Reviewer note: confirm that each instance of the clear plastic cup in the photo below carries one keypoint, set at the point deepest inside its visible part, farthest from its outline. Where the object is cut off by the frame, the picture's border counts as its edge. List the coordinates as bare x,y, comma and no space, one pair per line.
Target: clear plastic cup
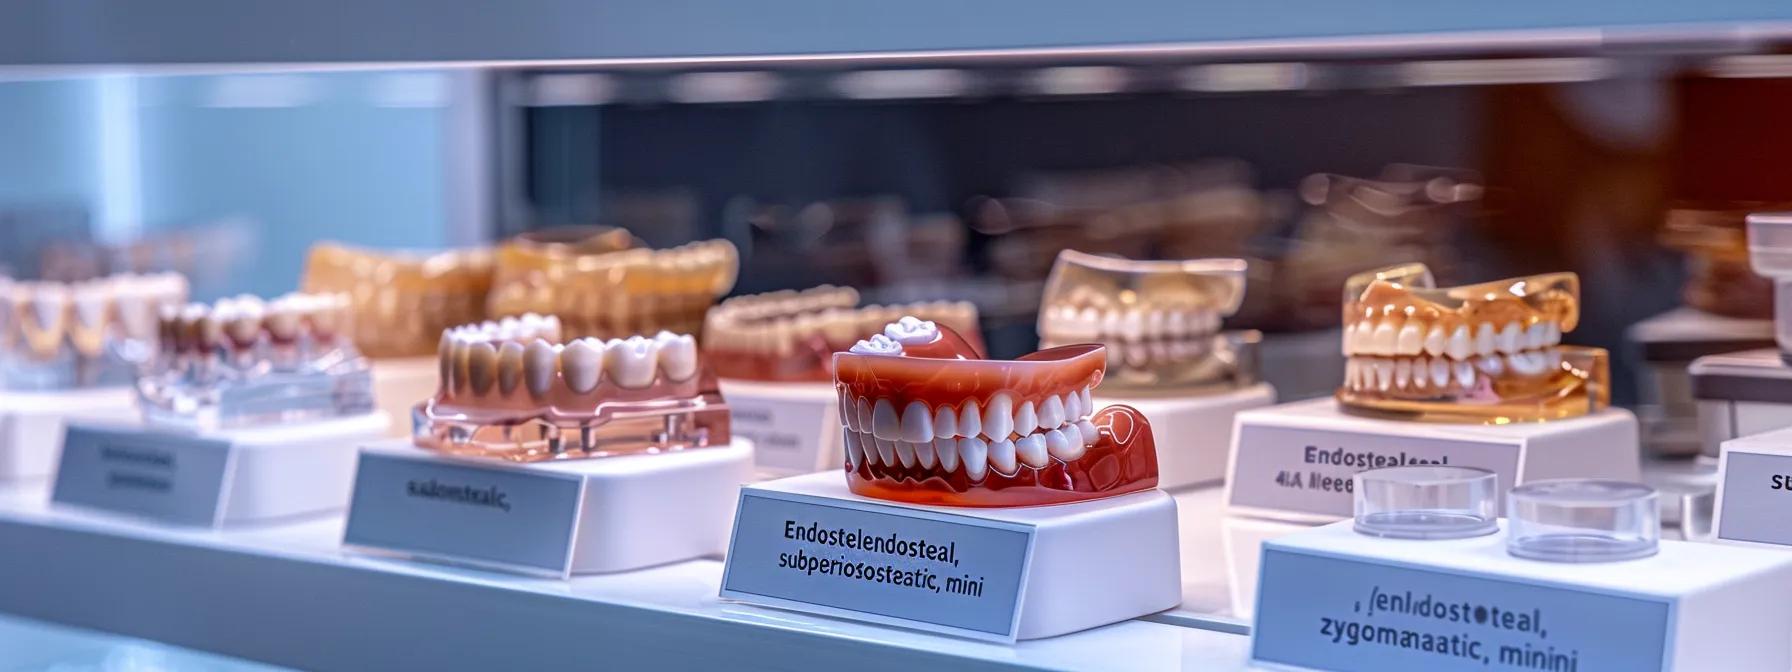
1432,502
1582,520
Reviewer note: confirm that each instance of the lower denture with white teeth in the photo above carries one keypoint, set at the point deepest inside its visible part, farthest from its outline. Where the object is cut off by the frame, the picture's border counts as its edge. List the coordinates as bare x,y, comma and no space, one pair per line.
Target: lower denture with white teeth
1485,352
928,420
42,322
512,390
791,336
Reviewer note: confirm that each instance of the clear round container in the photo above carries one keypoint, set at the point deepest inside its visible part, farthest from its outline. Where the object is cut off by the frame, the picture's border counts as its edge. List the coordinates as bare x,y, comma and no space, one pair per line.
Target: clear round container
1433,502
1582,520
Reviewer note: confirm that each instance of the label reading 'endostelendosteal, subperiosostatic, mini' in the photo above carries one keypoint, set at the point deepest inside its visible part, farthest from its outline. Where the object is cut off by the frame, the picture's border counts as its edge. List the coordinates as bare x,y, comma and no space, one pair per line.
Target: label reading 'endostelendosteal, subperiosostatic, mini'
1309,470
1357,615
941,572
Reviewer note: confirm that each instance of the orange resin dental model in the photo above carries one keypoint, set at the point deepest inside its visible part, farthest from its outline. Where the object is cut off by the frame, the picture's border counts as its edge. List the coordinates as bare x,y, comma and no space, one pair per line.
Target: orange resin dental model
1489,352
791,336
928,420
401,301
600,291
511,390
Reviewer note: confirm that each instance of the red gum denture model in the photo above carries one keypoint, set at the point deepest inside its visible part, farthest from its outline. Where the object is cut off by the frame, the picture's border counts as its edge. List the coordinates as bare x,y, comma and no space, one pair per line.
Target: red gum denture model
929,421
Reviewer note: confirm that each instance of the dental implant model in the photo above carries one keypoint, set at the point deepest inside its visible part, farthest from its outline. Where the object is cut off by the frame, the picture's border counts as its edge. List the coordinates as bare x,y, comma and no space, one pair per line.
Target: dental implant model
244,362
513,390
85,334
791,336
401,301
600,291
1489,352
928,420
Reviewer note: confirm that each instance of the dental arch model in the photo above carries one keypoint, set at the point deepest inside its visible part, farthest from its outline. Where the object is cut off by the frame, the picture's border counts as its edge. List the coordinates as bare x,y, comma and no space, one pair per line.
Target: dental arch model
1487,352
1159,319
402,300
601,292
511,390
928,420
57,335
792,336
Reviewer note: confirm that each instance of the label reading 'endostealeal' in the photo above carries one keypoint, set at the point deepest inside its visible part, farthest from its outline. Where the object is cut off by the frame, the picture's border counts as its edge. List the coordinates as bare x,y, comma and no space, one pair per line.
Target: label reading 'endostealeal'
177,478
956,574
1309,470
1356,615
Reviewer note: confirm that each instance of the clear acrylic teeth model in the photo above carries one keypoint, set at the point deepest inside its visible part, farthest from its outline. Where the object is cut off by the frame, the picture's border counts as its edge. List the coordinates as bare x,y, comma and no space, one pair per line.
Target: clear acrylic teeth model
512,390
1160,320
244,362
792,336
928,420
1427,502
67,335
1489,352
1582,520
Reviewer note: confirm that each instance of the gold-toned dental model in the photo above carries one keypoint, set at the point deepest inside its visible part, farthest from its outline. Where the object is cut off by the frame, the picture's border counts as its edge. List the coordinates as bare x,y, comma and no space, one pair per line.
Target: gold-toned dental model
791,336
1488,352
55,335
1715,240
600,292
402,302
1159,319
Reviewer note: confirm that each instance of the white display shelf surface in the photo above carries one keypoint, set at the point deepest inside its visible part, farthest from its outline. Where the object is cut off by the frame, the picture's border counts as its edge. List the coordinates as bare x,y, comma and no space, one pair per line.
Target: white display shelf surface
288,595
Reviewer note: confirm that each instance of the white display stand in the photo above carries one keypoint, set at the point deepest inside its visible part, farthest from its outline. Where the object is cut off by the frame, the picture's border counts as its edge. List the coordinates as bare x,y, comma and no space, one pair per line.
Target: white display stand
400,384
31,425
795,427
546,518
1243,538
1469,605
1193,433
1295,461
1754,488
213,479
1037,571
1739,394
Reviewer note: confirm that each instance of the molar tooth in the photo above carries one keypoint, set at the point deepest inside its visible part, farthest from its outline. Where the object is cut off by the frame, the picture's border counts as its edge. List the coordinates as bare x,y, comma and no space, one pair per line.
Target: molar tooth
1001,457
1073,438
1051,412
945,422
538,367
582,362
884,422
631,363
1484,339
1089,432
1026,418
970,419
1060,446
1402,373
1459,347
974,453
924,454
1385,337
510,366
998,416
1491,365
1508,340
1465,374
678,355
482,365
1384,374
1411,340
1435,340
911,330
946,449
1032,451
917,422
886,451
1440,372
905,452
862,409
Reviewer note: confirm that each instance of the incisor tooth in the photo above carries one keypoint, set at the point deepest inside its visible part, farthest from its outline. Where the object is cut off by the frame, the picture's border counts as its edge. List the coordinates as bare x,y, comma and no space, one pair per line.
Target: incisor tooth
1073,407
884,422
482,366
1484,339
970,419
1367,370
855,456
510,366
1051,412
1031,451
1384,374
1411,340
1001,457
582,363
974,453
998,417
917,422
1465,374
886,451
1460,346
538,367
1365,335
924,454
1385,337
945,422
862,410
947,452
1508,339
905,453
1402,372
1440,372
1421,375
1435,340
1026,418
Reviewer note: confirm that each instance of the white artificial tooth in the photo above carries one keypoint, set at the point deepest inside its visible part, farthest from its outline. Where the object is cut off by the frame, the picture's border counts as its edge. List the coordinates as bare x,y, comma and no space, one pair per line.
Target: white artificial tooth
631,363
970,418
1073,438
1051,412
1131,325
945,422
678,355
1460,346
1440,372
1073,407
1060,446
905,453
867,447
924,454
538,367
1385,337
1089,432
855,455
878,344
1026,418
1523,364
1365,336
1370,374
1508,340
1421,375
974,453
1532,337
843,404
510,366
947,452
1353,374
1402,373
582,363
917,422
998,416
1002,458
1384,374
1435,340
1465,374
911,330
1484,339
1411,340
1088,402
1349,340
886,451
482,366
90,303
444,351
885,424
1491,365
1031,450
863,413
1553,334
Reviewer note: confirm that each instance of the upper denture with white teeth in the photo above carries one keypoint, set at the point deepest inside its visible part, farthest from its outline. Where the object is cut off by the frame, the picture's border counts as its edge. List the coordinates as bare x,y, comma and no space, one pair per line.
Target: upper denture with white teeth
1410,346
792,336
40,319
243,331
614,294
927,419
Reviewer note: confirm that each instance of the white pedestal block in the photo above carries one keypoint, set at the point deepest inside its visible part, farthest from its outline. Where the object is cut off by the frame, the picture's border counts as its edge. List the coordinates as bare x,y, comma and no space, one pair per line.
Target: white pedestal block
401,384
1243,538
1333,599
1754,489
547,518
1193,433
31,425
1295,461
216,479
807,543
795,427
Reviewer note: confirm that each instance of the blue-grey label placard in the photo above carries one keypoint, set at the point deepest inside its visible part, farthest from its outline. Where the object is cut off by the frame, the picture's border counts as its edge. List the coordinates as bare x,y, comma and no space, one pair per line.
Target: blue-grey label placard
1309,470
1356,615
946,573
177,478
499,516
1757,493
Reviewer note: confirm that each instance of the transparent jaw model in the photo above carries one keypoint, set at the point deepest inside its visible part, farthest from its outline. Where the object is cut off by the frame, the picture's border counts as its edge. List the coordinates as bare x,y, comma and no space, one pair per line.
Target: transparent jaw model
402,301
1160,320
73,335
1770,254
1488,352
243,362
928,420
600,291
791,336
512,390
